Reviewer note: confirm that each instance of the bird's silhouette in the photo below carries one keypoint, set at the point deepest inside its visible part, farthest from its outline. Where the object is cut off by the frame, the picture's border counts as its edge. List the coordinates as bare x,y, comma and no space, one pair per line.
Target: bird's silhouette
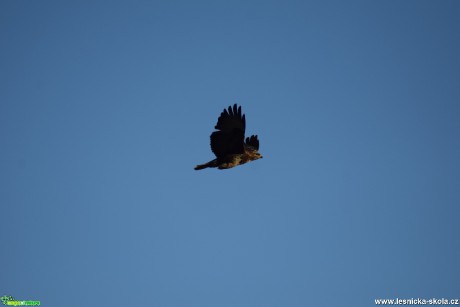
228,142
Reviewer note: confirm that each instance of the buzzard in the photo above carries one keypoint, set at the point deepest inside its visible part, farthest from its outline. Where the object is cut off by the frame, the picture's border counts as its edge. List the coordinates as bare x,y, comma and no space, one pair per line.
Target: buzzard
228,143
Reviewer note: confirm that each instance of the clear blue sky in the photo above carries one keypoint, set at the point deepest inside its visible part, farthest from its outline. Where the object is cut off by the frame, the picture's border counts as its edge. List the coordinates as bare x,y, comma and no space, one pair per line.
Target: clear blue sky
106,107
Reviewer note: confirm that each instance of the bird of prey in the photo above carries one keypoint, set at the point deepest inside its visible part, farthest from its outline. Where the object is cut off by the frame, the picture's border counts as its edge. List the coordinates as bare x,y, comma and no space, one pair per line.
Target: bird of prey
228,143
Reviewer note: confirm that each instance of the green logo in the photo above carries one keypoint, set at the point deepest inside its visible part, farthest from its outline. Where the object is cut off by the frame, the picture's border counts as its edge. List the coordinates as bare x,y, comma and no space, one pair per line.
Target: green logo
10,301
6,299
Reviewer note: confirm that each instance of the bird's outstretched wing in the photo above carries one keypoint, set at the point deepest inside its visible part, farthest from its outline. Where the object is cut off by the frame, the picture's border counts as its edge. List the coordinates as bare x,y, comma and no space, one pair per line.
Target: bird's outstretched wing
230,137
252,142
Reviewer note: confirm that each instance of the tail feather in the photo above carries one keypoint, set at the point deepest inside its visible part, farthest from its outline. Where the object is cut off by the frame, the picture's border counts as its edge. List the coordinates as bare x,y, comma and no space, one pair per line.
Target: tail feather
212,163
201,166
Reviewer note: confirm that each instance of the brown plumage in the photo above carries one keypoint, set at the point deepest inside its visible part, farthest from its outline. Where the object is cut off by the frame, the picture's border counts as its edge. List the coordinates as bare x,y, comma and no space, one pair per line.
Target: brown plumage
228,143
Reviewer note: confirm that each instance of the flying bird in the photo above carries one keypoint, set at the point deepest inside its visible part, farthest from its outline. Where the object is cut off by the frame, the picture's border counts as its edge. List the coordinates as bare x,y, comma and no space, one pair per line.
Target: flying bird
228,143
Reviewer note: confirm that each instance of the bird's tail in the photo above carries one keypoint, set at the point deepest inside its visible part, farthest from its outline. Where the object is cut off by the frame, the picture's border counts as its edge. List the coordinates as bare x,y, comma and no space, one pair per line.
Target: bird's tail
201,166
206,165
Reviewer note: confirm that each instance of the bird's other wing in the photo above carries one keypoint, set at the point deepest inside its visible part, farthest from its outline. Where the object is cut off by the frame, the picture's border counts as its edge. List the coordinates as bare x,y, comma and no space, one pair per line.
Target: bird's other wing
230,137
253,142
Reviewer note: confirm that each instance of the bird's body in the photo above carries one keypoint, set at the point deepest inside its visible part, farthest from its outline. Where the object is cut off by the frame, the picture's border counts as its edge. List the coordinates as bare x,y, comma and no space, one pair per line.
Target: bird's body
228,161
228,143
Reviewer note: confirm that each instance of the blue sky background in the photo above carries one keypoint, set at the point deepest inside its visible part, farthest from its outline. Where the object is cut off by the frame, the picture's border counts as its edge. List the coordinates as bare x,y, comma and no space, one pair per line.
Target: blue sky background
106,107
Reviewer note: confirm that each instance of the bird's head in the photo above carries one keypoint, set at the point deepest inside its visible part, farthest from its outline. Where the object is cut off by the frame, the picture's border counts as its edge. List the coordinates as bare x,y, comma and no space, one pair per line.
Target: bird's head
255,155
